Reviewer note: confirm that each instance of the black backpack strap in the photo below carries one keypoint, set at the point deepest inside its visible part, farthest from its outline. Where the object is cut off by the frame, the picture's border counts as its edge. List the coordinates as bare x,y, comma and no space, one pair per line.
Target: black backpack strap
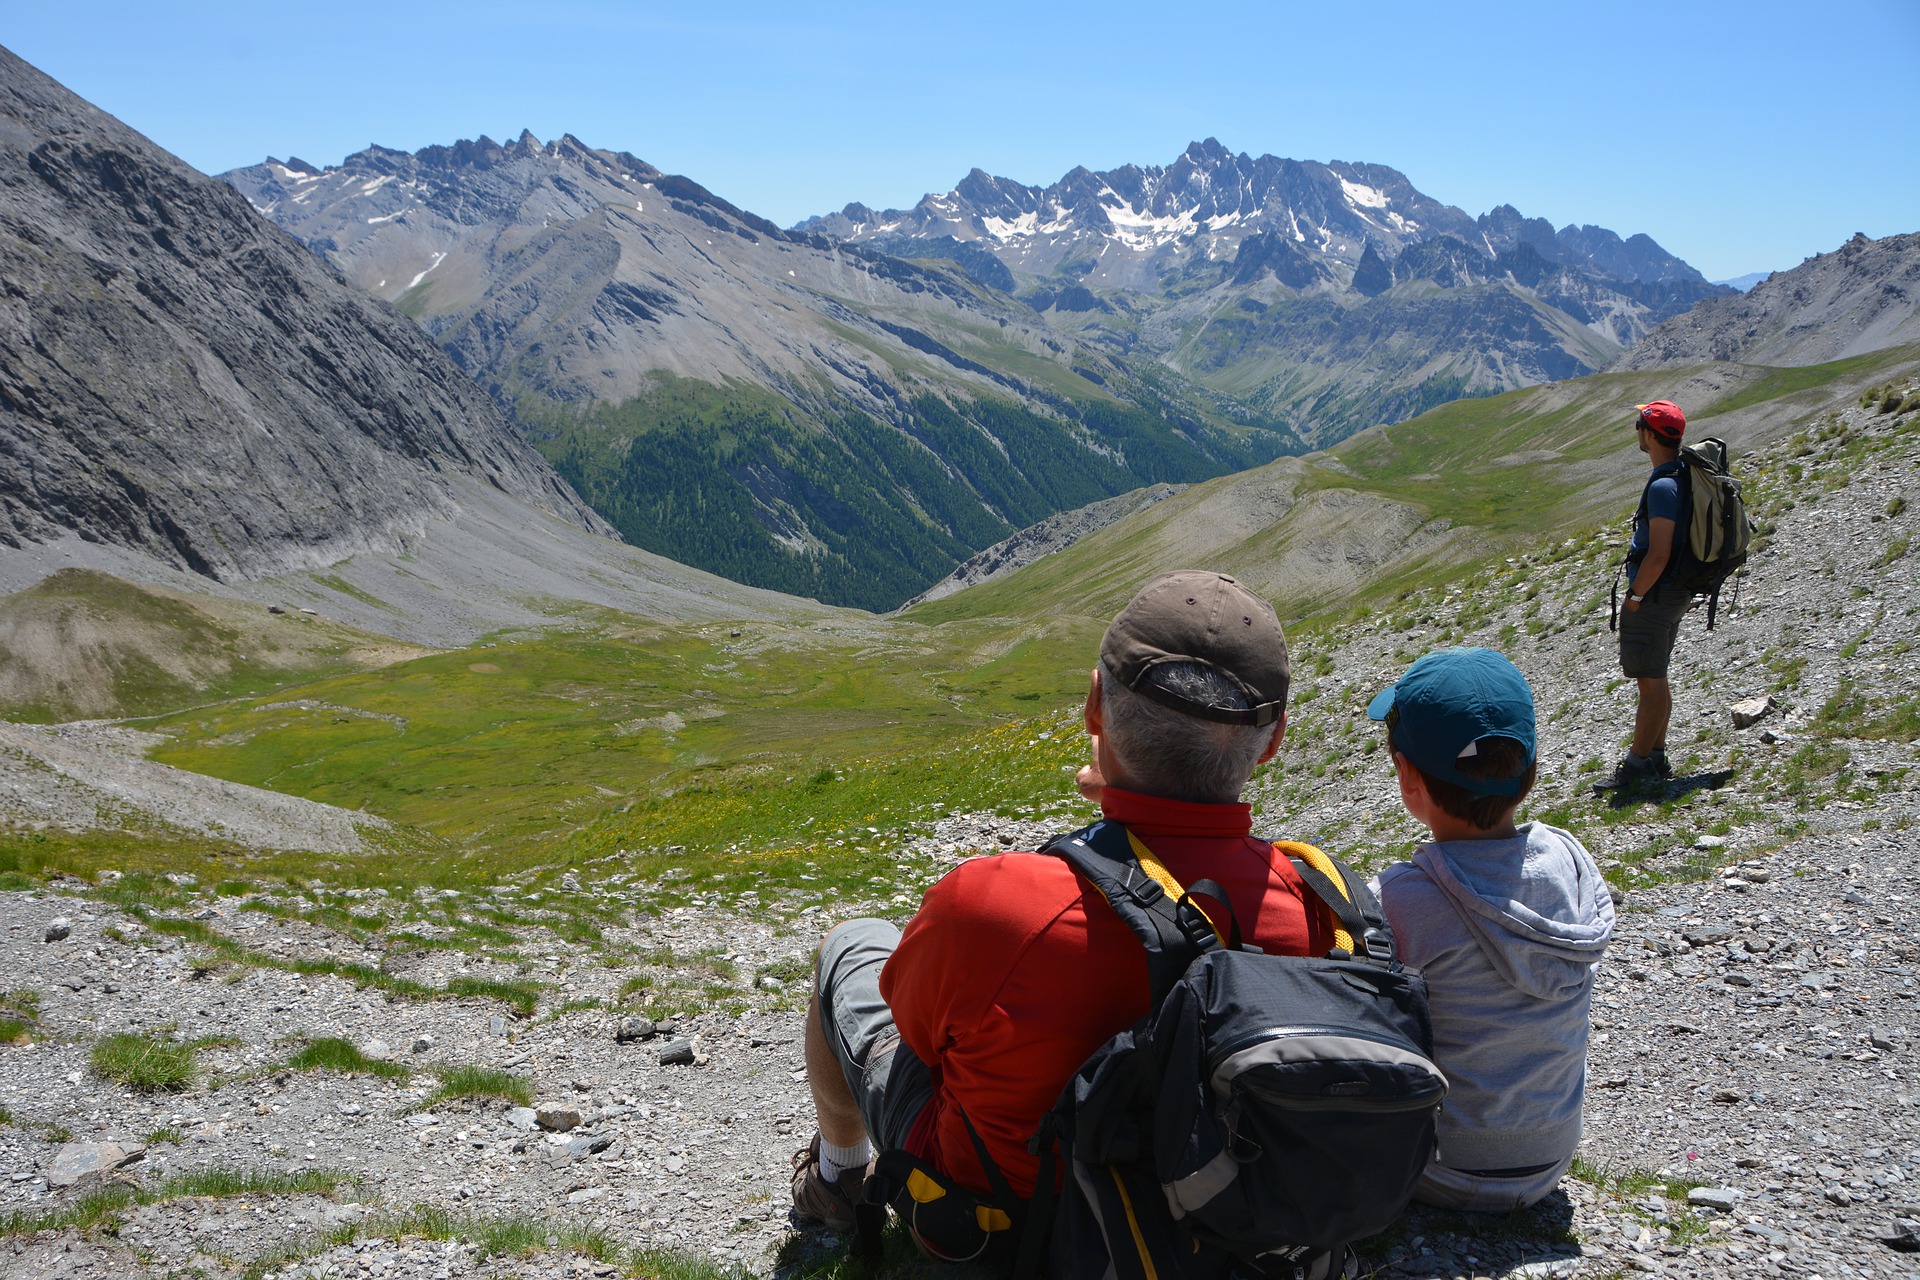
1002,1189
1357,910
1173,932
1038,1231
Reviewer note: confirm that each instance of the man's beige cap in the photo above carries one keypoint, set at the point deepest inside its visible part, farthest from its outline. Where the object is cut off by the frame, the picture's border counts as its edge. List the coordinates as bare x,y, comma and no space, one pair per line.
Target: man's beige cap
1194,616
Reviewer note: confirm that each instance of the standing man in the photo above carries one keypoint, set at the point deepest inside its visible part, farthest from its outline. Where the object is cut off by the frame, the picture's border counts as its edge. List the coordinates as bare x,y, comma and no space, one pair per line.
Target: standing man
951,1039
1654,605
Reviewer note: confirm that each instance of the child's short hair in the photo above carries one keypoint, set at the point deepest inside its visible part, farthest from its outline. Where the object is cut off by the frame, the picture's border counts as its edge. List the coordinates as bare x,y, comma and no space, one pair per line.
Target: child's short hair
1493,758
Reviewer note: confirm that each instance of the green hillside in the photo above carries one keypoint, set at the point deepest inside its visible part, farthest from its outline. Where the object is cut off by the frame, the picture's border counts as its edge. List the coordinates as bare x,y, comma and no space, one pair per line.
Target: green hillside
81,643
828,502
1396,506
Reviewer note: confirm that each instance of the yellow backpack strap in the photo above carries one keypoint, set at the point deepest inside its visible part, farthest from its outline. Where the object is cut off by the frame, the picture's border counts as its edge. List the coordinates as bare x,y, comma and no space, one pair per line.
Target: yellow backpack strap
1324,865
1154,868
1157,871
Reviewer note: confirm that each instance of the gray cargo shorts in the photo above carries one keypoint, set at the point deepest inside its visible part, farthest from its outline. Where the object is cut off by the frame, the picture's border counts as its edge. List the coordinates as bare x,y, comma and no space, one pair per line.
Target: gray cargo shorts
1647,633
889,1083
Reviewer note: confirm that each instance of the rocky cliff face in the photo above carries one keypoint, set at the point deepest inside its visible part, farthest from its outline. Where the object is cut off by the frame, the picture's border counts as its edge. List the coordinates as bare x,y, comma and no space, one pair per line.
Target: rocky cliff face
1864,296
179,376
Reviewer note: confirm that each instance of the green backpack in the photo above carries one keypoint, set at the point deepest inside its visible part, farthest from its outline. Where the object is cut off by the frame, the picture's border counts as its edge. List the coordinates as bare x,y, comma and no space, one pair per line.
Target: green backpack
1713,535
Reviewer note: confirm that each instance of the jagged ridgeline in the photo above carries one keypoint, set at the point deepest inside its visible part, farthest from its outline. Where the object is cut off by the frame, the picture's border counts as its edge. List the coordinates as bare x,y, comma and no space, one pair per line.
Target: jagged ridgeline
779,407
1326,296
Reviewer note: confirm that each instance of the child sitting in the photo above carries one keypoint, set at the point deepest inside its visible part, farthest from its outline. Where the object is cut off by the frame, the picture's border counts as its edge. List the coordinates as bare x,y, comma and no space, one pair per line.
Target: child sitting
1506,922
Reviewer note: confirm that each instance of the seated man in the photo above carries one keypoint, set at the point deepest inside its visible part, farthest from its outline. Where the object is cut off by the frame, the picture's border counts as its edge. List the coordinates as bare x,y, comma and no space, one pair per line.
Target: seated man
1014,970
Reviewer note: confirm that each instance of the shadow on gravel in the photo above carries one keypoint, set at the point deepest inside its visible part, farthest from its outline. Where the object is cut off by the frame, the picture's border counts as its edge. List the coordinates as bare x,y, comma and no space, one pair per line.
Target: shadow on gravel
813,1253
1440,1241
1423,1242
1668,790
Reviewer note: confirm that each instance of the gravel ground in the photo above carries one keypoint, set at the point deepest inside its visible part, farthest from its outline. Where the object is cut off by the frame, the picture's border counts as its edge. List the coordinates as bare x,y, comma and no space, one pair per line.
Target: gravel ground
1752,1110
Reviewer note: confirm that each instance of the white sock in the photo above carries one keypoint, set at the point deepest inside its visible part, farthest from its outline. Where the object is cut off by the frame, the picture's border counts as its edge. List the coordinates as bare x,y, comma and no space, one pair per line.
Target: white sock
836,1160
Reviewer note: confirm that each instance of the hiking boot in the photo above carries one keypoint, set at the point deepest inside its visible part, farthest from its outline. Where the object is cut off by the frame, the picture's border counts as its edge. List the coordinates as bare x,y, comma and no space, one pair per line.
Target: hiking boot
817,1200
1633,771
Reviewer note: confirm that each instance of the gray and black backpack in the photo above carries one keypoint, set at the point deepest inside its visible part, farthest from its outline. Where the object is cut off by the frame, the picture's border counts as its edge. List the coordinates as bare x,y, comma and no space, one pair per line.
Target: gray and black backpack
1268,1111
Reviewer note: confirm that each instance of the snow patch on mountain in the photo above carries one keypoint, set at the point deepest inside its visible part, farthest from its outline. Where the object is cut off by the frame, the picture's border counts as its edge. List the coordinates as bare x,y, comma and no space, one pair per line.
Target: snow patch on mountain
1361,194
438,258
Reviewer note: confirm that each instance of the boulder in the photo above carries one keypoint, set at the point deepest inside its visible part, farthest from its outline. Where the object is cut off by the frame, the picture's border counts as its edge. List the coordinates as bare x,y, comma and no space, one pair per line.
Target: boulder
80,1164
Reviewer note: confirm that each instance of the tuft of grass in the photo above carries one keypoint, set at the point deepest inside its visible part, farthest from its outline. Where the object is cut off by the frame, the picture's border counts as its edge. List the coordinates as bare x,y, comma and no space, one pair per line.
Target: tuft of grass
1631,1182
792,970
19,1015
224,1181
331,1053
1849,713
522,996
166,1134
482,1082
98,1207
149,1061
84,1214
521,1237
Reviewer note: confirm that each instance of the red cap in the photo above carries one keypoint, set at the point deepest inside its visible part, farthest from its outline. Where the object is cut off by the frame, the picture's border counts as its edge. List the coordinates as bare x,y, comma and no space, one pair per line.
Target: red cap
1663,418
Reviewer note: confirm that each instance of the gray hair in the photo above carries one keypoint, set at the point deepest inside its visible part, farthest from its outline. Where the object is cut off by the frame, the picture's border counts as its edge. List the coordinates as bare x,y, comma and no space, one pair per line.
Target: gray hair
1163,752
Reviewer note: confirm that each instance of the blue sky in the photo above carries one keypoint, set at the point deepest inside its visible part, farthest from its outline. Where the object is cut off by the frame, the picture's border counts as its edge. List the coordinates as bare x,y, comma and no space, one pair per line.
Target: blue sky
1742,137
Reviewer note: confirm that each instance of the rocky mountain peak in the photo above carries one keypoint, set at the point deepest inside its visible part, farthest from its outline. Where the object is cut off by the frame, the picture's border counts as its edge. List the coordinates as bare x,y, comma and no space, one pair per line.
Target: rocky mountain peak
184,379
1861,297
1207,152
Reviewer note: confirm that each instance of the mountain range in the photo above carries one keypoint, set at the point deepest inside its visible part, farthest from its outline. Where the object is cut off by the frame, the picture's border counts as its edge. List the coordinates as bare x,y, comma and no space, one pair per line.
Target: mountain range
1329,296
1864,296
189,398
776,406
849,407
179,378
187,391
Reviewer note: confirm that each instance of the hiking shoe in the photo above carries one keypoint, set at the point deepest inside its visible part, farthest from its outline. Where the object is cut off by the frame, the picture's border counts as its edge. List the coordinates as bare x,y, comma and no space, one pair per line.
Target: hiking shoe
817,1200
1633,770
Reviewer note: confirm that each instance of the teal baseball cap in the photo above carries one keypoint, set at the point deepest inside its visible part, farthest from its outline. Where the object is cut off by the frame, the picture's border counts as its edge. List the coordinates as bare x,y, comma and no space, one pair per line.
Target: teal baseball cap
1447,702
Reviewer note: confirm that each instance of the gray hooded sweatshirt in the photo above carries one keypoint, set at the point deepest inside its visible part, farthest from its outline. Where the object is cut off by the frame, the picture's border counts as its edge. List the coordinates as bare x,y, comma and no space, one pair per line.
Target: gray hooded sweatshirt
1507,933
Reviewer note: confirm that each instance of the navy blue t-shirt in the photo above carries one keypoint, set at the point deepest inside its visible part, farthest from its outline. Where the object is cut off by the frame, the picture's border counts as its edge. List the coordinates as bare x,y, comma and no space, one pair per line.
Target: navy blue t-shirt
1661,503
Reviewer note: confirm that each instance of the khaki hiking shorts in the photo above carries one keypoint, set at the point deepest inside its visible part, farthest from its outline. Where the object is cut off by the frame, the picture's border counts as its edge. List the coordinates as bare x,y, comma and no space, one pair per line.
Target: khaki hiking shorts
1647,633
890,1084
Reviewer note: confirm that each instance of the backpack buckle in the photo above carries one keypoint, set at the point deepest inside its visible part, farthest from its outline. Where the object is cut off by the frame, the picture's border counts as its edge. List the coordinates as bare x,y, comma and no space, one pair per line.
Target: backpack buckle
1194,925
1145,889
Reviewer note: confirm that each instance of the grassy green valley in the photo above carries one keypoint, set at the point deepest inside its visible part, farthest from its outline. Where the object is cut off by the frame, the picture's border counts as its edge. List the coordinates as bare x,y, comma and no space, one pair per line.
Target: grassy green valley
780,750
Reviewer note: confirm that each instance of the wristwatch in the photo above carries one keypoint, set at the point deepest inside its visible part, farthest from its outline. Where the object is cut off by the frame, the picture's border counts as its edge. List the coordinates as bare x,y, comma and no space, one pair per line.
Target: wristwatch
1635,598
